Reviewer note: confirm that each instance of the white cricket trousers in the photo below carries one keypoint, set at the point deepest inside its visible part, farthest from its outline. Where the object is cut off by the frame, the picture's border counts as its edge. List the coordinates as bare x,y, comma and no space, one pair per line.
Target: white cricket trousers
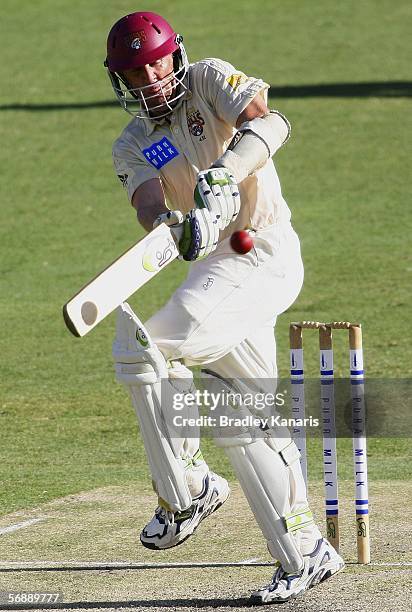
225,310
223,316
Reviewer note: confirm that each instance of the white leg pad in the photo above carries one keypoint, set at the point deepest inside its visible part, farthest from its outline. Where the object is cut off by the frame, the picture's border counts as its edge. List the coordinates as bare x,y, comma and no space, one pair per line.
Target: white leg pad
141,367
262,463
167,468
264,479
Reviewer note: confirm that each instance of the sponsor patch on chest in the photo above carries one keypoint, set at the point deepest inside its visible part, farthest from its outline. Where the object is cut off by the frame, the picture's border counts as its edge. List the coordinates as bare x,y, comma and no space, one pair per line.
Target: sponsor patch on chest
237,79
160,153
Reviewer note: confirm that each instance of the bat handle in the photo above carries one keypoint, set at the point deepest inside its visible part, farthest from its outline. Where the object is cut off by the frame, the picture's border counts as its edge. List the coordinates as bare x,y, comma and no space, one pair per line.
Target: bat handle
177,232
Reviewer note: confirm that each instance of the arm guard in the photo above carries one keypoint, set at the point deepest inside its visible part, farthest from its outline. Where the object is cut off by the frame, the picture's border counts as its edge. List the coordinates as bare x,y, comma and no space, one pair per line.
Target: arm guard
254,143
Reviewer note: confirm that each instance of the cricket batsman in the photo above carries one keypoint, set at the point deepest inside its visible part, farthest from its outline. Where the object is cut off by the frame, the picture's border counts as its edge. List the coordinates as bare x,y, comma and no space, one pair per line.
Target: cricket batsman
197,156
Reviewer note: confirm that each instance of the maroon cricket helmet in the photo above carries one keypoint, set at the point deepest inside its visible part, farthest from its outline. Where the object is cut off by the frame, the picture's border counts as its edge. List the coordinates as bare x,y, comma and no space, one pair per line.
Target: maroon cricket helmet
139,39
134,41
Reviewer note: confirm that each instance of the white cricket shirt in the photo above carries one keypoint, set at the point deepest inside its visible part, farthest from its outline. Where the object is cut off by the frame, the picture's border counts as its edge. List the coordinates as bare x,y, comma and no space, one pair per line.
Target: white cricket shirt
199,132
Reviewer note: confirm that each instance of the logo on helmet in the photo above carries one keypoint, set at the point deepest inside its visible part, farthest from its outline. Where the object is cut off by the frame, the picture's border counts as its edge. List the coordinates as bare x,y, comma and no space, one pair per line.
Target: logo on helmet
134,40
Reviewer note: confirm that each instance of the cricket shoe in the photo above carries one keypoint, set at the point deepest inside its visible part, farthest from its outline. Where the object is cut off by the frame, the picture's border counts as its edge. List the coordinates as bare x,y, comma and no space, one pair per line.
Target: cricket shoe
319,565
168,529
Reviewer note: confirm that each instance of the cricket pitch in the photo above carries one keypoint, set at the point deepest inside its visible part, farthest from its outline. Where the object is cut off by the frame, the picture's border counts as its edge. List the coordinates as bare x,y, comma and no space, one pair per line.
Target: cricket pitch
87,547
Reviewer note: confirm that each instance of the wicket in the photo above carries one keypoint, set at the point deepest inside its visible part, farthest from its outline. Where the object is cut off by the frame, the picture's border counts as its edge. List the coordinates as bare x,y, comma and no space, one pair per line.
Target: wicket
327,405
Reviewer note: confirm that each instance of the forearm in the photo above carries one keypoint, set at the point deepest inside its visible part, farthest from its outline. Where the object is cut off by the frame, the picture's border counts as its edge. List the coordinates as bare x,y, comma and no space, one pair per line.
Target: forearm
147,215
149,202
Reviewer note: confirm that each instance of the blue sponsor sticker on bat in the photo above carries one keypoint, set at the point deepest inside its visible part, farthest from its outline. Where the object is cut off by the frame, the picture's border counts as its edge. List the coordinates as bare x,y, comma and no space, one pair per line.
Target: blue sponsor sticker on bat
160,153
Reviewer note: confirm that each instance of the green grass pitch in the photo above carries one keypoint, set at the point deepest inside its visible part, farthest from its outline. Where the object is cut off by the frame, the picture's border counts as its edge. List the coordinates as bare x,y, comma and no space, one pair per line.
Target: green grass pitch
65,424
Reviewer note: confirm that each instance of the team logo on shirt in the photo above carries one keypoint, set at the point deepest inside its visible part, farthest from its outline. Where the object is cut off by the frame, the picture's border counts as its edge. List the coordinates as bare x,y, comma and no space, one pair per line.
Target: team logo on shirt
195,122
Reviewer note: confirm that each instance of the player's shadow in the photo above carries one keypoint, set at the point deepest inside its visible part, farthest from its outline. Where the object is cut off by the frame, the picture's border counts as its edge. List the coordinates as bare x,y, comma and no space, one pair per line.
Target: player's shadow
378,89
239,602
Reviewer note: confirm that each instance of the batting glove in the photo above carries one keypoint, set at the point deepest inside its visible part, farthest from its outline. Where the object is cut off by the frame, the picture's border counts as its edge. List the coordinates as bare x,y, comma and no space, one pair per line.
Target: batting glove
217,191
196,233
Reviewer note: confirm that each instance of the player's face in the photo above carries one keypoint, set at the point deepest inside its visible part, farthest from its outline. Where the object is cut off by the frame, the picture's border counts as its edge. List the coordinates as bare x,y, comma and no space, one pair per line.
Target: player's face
154,81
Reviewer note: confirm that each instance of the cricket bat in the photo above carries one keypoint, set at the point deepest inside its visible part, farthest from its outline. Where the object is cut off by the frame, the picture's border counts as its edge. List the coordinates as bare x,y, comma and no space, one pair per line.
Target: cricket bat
120,280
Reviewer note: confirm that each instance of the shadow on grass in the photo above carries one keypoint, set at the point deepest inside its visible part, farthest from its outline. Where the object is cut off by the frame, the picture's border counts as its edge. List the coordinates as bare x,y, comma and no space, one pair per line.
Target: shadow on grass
239,602
383,89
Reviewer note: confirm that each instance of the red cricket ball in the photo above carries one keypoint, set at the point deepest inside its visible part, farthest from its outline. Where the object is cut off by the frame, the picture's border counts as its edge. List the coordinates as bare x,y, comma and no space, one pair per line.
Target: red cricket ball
241,241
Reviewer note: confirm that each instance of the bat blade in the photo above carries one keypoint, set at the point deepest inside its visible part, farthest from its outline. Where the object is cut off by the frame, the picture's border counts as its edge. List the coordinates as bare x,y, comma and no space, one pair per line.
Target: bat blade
119,280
